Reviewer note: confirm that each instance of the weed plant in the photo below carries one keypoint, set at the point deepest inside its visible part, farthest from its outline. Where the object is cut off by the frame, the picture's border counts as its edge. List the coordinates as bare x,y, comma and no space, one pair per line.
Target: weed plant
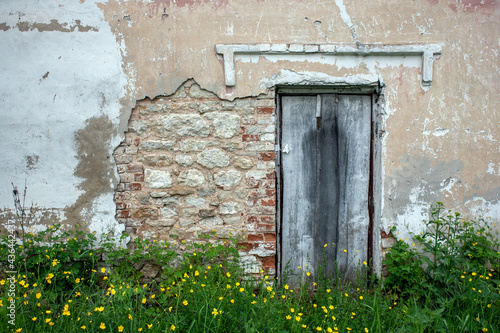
78,283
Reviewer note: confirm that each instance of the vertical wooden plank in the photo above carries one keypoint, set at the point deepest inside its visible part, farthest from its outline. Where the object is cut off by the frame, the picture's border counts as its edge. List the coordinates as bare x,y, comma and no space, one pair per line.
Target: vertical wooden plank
354,119
328,184
298,158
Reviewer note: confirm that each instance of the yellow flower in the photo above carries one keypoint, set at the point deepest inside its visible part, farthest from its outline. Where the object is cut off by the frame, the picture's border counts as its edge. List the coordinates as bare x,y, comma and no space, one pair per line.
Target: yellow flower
55,262
325,245
129,316
485,329
286,287
242,290
228,275
269,288
103,326
120,328
143,300
364,263
38,295
47,320
366,330
103,270
83,327
345,250
232,301
77,280
185,302
149,326
139,329
34,318
66,310
319,328
308,274
19,330
172,327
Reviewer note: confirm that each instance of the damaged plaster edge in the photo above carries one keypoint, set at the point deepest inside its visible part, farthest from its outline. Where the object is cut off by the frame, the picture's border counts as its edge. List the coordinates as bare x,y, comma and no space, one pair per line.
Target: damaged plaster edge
289,77
429,52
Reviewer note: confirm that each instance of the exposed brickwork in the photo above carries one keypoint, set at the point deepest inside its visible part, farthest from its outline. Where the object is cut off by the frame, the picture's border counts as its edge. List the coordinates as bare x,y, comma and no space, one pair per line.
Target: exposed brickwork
192,164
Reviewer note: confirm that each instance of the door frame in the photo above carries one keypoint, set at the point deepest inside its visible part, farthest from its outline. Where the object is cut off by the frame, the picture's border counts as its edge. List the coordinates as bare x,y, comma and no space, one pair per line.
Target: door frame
376,91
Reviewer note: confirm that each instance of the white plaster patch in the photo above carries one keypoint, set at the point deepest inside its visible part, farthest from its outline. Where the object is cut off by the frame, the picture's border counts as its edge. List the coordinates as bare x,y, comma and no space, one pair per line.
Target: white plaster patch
47,95
493,169
315,78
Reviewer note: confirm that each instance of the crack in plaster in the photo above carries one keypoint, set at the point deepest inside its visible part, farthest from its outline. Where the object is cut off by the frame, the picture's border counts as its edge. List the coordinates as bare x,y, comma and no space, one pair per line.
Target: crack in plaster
347,20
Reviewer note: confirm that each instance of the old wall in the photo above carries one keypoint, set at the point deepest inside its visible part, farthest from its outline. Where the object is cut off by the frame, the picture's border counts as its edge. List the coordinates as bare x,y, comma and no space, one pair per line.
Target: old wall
73,73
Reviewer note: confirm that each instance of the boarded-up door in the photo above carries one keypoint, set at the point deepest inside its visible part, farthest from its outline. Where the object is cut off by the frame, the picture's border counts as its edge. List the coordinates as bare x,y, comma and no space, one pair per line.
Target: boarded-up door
325,178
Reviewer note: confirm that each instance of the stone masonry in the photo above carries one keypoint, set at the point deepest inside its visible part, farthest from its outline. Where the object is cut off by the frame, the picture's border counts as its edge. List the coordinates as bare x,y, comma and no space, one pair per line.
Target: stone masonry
192,164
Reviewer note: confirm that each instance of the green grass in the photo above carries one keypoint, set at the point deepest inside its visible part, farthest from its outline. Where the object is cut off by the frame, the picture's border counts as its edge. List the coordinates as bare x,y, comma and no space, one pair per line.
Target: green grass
68,288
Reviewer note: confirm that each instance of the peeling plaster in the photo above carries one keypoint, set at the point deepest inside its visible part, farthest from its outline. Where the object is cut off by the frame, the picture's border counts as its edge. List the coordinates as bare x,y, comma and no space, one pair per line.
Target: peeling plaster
60,70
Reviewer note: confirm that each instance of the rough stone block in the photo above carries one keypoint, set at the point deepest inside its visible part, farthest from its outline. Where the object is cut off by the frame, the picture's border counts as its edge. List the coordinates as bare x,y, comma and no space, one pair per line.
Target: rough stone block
184,160
157,145
232,220
195,201
226,125
212,158
157,179
227,179
156,160
183,125
243,162
205,192
211,221
167,212
229,208
191,178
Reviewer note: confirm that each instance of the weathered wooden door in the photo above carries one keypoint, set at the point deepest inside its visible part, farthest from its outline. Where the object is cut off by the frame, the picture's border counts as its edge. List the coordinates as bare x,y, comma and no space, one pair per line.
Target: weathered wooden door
325,178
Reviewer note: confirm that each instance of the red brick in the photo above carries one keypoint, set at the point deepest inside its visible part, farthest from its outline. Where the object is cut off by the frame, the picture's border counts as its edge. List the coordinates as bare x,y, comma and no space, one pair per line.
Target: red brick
122,196
271,175
133,187
248,120
270,237
134,168
250,137
253,183
122,214
269,262
268,202
267,219
139,177
265,227
123,205
265,110
255,238
246,246
267,184
253,219
123,159
271,156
